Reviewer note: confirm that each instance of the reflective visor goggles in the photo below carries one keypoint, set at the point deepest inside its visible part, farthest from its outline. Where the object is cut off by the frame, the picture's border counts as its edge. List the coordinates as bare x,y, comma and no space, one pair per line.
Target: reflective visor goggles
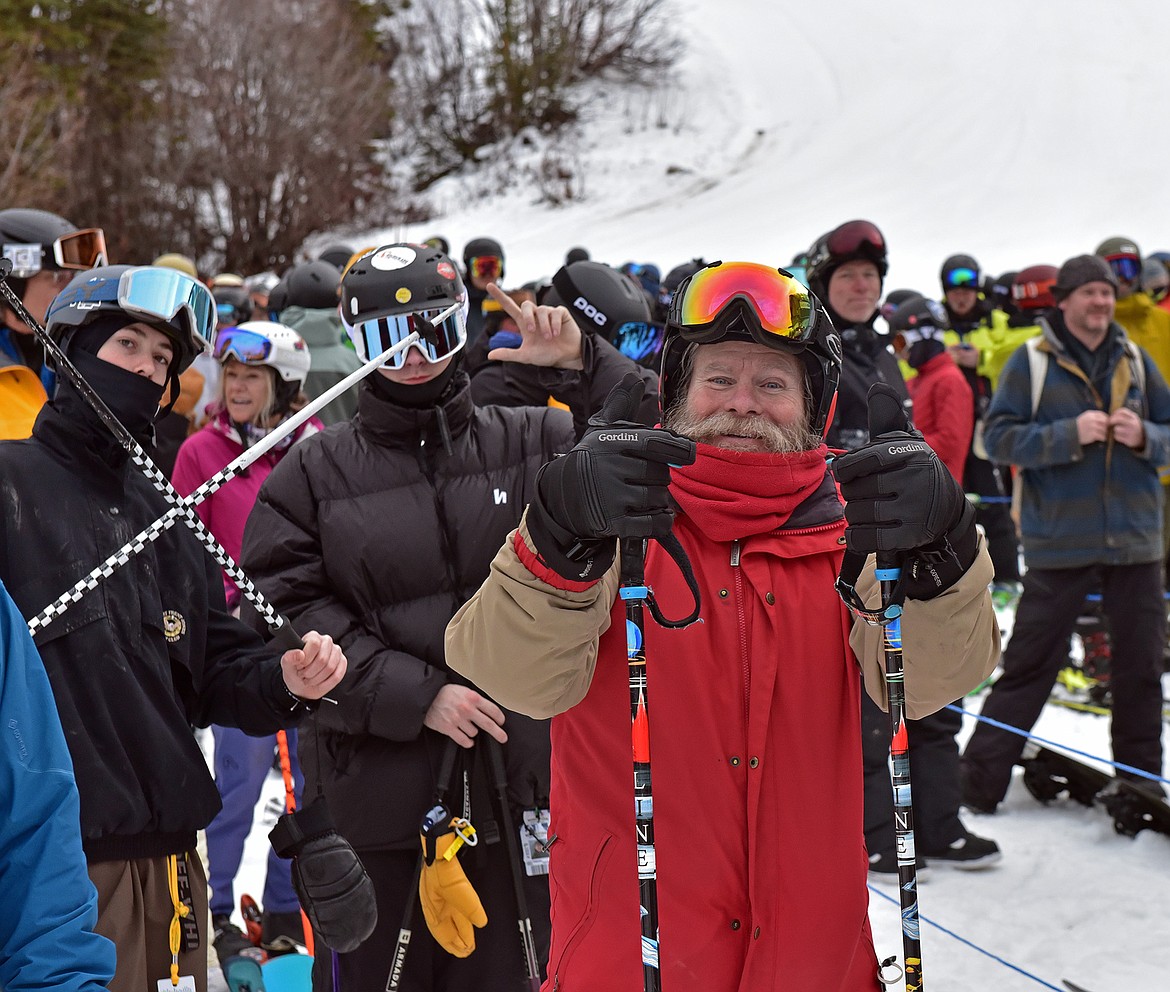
848,238
77,251
485,266
161,294
638,339
242,345
961,278
781,305
1127,268
381,333
1024,291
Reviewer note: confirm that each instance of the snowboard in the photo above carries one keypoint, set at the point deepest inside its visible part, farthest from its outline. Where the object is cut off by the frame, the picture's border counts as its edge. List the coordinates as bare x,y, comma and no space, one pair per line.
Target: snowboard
1049,774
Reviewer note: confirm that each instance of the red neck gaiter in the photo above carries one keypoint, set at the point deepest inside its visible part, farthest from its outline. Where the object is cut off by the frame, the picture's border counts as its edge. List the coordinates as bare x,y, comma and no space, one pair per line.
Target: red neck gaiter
736,494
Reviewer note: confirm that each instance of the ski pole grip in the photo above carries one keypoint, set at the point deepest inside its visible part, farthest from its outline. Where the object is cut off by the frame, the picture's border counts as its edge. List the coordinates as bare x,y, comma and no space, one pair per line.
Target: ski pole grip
284,638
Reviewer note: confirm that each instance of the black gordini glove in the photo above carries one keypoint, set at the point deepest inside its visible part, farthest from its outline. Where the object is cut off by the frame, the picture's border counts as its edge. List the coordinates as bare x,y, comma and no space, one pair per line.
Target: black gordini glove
612,484
902,504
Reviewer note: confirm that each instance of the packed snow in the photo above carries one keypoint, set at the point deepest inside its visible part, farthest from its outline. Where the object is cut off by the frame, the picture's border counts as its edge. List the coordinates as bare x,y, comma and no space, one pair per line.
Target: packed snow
1019,131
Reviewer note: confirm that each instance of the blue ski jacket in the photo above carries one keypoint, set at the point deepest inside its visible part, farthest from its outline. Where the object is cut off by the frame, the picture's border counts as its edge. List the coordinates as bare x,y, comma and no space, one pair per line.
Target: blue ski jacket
49,906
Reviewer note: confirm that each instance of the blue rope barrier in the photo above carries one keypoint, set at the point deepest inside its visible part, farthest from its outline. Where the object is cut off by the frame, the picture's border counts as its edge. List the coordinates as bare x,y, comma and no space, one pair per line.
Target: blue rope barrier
1060,747
973,945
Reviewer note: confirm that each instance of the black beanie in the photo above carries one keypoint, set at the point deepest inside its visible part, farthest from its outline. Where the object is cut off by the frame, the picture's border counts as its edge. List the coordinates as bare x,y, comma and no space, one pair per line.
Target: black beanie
1079,271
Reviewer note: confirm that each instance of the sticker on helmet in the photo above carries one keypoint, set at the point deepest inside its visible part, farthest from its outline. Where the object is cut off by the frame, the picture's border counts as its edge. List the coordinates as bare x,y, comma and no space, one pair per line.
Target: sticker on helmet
402,295
446,270
393,257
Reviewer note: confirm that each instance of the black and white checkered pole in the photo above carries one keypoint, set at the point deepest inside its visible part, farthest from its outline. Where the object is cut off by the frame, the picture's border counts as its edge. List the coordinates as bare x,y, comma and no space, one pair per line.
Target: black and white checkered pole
183,505
284,636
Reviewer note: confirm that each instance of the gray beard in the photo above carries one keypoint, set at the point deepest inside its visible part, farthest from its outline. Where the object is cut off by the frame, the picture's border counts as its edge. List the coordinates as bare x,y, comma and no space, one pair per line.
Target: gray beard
780,440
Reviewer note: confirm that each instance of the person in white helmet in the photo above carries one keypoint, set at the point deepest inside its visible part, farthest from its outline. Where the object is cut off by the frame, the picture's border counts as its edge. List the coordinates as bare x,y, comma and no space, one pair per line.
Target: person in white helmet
264,369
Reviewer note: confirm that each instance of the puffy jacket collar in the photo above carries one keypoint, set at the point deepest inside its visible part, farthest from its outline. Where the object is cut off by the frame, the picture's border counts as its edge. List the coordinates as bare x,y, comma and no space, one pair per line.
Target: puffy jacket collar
395,426
856,336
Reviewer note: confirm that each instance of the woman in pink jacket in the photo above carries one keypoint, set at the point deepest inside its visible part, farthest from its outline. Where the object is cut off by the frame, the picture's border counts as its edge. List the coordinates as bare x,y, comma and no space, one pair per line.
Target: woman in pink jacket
264,370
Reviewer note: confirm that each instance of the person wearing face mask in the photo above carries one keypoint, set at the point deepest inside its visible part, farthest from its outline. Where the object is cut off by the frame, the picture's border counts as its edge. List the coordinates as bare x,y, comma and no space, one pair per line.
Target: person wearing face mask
845,270
265,365
151,649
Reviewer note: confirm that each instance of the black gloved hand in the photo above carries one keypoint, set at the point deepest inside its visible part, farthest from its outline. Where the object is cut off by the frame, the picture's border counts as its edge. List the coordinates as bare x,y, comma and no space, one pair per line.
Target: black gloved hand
612,484
331,883
902,504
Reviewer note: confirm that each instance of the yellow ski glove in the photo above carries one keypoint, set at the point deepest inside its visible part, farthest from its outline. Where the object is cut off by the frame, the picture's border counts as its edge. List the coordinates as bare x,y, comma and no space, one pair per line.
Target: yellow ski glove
450,905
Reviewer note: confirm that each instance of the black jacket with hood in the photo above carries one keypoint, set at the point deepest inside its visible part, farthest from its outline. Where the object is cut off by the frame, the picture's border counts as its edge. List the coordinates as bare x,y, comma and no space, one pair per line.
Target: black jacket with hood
143,656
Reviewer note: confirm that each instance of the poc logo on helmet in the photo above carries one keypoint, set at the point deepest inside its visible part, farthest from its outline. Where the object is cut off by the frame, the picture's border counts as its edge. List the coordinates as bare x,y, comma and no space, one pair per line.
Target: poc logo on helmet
591,311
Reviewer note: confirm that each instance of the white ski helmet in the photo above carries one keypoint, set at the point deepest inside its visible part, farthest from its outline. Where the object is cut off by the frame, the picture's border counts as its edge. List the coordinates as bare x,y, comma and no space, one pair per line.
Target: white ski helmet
265,342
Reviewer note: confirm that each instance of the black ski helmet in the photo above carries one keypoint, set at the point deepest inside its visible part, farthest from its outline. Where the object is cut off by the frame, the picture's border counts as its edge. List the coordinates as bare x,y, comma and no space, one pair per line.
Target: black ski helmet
853,241
95,293
336,256
923,316
37,239
598,296
233,305
483,247
820,352
403,279
311,285
960,272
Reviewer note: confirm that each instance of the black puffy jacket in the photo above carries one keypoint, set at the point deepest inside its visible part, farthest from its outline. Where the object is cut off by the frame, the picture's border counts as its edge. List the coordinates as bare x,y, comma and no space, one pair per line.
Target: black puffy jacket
136,661
376,531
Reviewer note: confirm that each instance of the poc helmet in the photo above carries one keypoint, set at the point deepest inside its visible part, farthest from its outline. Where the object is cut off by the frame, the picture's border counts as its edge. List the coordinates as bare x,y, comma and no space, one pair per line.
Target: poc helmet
168,300
387,288
267,343
36,239
600,298
745,301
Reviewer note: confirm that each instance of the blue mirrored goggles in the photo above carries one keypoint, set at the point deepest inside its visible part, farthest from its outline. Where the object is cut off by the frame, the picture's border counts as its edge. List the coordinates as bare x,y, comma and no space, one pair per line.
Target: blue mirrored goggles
381,333
638,339
1127,268
162,294
961,278
244,346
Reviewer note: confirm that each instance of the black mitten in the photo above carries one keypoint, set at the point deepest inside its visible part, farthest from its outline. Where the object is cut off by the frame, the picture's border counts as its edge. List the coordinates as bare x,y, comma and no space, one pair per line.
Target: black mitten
612,484
902,504
331,883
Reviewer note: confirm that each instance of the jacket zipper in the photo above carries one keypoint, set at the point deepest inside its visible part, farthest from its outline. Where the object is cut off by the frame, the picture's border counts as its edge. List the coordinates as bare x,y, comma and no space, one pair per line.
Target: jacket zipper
741,619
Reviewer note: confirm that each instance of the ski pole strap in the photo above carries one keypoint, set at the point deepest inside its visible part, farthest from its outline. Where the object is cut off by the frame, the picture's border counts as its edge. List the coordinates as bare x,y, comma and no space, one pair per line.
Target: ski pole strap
633,581
852,563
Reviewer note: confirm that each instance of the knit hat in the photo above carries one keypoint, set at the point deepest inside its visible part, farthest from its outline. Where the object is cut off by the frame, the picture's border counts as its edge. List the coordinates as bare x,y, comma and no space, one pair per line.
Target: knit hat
1078,271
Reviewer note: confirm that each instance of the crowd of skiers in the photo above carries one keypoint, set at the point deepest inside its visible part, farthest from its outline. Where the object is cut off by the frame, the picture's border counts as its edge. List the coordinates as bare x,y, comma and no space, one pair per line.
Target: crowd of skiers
445,533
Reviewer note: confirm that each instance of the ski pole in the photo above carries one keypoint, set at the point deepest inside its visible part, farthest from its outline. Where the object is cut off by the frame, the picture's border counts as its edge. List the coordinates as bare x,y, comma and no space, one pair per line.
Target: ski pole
524,918
290,806
634,592
887,575
406,931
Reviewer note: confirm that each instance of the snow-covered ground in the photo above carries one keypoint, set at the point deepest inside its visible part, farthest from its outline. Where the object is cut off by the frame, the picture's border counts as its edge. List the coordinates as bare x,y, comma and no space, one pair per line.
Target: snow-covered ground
1020,131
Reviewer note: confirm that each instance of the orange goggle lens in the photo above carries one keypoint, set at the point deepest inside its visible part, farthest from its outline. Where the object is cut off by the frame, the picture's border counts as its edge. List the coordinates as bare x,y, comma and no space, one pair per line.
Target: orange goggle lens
81,250
485,266
779,301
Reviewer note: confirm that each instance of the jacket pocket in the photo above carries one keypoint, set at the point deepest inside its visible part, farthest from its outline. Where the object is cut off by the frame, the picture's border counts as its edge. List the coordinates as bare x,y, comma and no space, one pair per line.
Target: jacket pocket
559,968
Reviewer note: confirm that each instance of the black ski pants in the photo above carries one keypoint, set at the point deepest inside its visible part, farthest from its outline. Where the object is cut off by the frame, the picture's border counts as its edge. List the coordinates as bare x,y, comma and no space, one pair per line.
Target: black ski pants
1052,598
983,477
934,770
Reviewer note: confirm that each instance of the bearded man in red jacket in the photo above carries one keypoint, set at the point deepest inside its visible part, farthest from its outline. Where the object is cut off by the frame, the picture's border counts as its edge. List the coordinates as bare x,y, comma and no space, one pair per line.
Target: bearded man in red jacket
753,710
